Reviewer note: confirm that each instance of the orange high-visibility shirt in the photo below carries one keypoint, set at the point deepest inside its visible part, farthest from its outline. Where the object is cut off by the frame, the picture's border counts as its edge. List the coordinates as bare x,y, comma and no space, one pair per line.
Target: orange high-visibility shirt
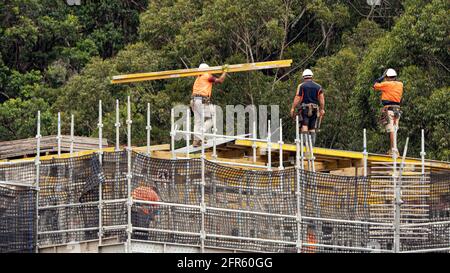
203,85
145,193
390,90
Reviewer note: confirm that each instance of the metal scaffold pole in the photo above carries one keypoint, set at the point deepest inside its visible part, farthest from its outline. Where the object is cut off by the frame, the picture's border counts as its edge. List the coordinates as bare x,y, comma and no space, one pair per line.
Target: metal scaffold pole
149,129
365,153
172,133
396,197
254,135
117,125
422,153
129,176
280,143
269,147
100,159
188,132
298,191
214,154
311,153
37,164
203,182
58,136
72,132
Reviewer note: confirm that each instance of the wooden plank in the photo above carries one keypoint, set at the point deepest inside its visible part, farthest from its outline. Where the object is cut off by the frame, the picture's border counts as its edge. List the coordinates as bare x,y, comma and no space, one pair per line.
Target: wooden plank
171,74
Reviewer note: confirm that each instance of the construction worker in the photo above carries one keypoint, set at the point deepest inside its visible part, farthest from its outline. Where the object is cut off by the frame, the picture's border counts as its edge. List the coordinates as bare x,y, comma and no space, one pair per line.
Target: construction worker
310,239
391,96
143,214
201,97
310,101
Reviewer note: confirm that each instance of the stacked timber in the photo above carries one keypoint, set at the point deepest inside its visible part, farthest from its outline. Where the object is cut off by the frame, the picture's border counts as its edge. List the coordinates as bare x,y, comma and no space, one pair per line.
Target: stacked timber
27,147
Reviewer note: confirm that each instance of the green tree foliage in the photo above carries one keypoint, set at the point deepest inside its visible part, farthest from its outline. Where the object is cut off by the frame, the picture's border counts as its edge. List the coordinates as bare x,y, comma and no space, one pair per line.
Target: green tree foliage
60,58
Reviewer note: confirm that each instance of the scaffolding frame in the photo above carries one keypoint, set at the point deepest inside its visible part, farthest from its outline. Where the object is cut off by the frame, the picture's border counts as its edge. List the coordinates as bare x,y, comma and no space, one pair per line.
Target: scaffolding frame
203,208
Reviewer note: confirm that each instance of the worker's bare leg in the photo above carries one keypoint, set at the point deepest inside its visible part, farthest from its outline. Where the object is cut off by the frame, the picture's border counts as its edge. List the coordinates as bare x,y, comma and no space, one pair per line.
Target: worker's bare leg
304,131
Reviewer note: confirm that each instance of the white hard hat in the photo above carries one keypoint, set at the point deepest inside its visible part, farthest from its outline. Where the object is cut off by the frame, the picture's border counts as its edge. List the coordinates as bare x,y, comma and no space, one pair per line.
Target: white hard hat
203,65
307,73
391,73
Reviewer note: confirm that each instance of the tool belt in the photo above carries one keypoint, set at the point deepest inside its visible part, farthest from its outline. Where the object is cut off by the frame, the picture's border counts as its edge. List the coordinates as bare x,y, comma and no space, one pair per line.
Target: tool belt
384,117
205,100
309,108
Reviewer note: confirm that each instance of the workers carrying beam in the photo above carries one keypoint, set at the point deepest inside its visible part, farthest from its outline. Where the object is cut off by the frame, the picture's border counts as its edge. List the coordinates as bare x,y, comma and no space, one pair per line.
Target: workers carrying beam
201,97
309,105
391,96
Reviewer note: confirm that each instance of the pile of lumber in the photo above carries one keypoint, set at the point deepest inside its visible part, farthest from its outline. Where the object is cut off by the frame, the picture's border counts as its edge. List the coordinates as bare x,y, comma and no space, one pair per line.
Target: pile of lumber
49,144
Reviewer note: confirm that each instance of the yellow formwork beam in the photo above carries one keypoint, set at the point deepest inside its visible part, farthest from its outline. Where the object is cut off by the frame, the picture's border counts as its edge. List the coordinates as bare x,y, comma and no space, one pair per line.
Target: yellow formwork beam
341,154
171,74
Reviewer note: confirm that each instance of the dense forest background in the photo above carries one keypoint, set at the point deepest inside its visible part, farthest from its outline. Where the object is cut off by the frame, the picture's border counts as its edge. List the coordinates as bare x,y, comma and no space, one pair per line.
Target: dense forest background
55,57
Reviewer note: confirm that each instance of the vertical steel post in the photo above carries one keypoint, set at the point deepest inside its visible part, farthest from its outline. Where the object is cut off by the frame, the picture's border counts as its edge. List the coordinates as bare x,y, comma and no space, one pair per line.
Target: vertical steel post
203,182
117,125
269,146
254,135
311,153
72,132
58,137
129,176
280,143
37,164
396,197
214,154
149,129
100,159
365,153
298,192
188,132
422,153
172,133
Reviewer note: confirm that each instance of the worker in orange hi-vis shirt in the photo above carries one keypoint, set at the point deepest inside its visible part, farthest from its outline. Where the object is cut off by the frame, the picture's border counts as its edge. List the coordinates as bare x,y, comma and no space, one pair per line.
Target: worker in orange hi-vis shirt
310,239
391,97
201,97
143,214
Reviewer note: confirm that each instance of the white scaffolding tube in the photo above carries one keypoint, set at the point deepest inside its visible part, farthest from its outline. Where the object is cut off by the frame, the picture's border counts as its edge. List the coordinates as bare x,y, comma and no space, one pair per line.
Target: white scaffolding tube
280,143
254,136
422,153
129,175
203,182
172,133
365,153
58,136
269,147
214,131
396,192
100,159
188,135
311,153
37,163
149,129
72,138
298,191
117,125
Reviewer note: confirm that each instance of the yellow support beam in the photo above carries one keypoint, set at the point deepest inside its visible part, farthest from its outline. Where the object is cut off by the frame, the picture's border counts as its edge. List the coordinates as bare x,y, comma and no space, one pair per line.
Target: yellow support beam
341,154
171,74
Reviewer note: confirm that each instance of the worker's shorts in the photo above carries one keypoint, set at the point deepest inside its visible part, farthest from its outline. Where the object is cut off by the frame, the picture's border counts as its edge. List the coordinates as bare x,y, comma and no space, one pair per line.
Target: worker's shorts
309,121
392,121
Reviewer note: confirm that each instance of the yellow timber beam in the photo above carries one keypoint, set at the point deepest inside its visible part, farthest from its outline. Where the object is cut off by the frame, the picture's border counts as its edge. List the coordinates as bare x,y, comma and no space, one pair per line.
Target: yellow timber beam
153,148
341,154
170,74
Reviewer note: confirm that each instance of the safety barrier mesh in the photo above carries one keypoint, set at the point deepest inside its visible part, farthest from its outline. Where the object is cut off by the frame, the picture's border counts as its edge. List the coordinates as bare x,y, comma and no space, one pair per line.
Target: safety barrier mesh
429,228
68,199
17,219
244,210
